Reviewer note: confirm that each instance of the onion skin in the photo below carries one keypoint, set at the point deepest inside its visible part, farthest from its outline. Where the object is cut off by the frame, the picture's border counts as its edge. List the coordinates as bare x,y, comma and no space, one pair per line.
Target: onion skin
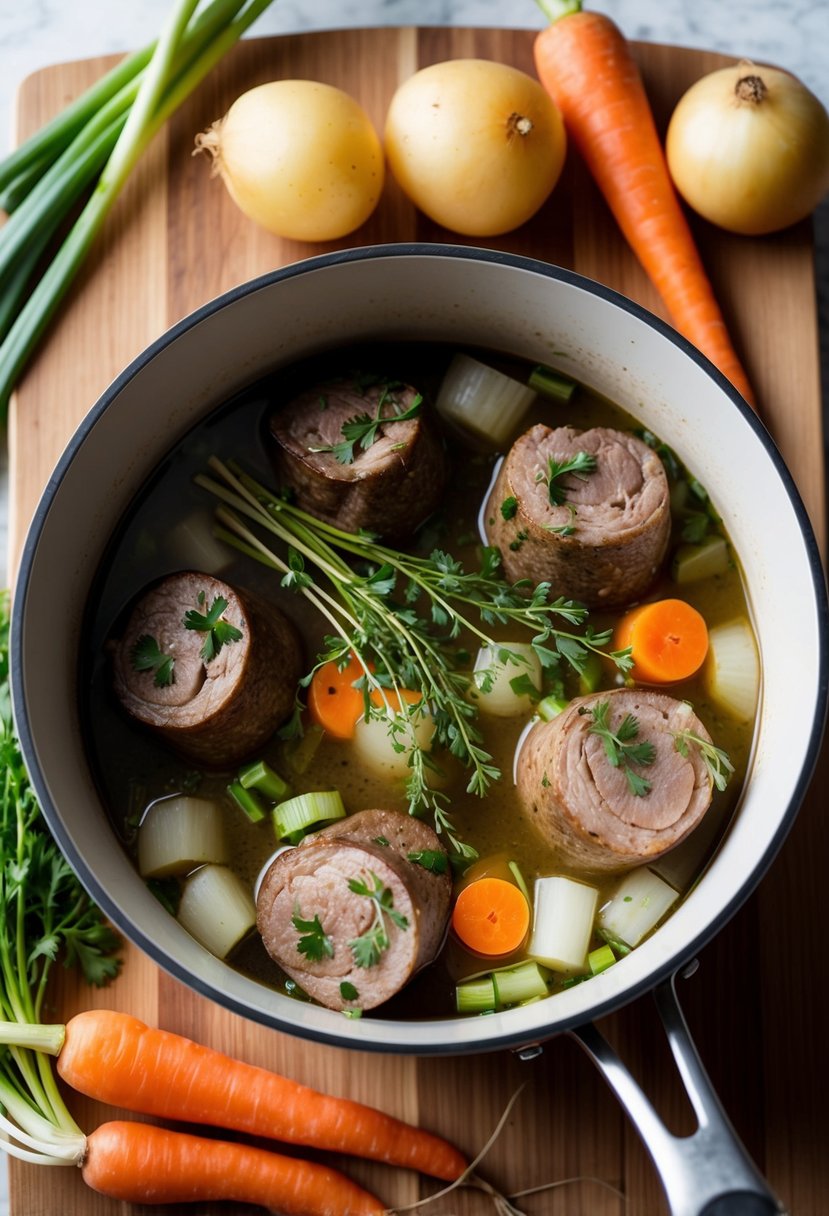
477,145
300,158
748,149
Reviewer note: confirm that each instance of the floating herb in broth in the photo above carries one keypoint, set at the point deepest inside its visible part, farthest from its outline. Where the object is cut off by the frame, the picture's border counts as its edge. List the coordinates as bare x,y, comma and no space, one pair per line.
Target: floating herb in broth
133,767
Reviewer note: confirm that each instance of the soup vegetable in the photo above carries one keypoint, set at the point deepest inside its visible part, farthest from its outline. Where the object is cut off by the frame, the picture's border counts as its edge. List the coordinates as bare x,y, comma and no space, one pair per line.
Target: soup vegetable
421,680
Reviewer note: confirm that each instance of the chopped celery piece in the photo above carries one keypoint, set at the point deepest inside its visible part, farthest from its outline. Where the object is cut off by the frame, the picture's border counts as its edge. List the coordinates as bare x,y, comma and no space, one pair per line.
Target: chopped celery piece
590,676
482,400
248,801
551,384
176,834
692,563
732,669
260,776
299,753
551,707
515,871
562,922
507,679
513,985
638,905
217,909
475,996
302,812
600,959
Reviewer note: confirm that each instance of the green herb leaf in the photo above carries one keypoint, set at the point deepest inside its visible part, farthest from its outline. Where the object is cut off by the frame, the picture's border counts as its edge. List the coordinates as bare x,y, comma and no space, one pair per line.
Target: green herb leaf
508,507
716,760
579,466
348,992
619,749
314,943
362,428
368,948
434,860
147,655
219,631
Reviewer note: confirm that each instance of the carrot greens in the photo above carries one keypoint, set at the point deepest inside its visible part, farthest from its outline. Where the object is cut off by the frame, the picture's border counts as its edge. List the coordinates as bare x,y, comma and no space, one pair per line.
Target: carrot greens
406,621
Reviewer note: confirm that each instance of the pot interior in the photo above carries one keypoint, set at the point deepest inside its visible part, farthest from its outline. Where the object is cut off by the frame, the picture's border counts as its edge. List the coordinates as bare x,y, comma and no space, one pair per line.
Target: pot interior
425,293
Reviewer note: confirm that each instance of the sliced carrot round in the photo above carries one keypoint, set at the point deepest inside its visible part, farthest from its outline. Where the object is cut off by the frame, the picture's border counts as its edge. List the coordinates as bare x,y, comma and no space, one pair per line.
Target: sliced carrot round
394,700
333,701
491,917
668,641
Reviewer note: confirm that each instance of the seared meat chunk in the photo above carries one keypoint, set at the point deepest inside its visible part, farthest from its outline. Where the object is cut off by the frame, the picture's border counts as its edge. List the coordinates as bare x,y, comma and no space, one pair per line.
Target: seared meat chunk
586,808
217,708
368,851
604,539
388,487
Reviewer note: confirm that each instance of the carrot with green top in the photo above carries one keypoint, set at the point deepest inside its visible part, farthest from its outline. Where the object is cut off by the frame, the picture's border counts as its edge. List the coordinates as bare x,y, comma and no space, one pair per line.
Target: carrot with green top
116,1058
585,64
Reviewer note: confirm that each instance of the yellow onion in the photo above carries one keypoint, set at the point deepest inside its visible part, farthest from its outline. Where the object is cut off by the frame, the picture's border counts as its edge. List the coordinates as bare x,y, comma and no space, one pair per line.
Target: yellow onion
476,145
300,158
748,149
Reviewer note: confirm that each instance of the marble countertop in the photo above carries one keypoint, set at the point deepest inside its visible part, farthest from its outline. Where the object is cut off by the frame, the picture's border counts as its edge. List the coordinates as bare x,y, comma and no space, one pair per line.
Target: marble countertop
792,35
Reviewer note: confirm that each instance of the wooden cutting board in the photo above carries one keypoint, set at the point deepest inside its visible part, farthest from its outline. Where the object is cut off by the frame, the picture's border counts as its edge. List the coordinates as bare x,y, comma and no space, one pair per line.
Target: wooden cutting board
758,1004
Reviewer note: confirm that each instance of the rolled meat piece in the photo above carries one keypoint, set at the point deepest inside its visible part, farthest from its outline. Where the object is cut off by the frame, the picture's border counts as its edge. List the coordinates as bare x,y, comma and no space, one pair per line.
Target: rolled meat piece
586,808
313,881
604,538
388,487
215,693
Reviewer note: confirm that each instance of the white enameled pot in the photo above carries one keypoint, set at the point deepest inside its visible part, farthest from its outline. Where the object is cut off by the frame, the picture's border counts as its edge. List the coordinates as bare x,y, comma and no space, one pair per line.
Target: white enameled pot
531,310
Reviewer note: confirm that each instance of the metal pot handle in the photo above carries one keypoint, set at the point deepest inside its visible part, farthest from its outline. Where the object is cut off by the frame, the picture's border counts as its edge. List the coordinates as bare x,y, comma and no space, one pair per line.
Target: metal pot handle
708,1173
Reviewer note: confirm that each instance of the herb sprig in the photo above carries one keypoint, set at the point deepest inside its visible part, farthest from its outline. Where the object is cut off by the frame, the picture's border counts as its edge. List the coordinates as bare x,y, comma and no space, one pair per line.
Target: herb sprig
368,948
579,466
715,759
147,655
362,428
404,616
621,752
218,632
314,943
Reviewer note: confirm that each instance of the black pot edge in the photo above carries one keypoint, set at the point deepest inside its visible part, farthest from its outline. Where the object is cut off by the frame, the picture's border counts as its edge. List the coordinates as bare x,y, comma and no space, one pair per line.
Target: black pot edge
503,1040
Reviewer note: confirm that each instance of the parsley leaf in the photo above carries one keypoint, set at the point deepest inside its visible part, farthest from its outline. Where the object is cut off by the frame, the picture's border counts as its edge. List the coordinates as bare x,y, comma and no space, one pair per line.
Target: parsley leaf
715,759
368,948
434,860
314,943
579,465
147,655
219,631
619,749
509,506
362,428
348,992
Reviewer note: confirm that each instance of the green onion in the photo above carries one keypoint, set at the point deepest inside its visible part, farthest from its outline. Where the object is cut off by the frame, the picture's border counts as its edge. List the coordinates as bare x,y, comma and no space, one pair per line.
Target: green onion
476,996
515,871
590,676
260,776
248,801
300,813
551,384
116,119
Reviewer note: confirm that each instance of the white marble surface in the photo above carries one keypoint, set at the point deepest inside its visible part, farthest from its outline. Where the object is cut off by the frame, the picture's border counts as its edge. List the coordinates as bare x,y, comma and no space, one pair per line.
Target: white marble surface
791,33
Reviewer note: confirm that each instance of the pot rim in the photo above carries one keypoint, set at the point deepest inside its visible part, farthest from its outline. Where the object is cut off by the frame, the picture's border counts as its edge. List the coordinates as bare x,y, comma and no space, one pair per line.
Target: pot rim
503,1037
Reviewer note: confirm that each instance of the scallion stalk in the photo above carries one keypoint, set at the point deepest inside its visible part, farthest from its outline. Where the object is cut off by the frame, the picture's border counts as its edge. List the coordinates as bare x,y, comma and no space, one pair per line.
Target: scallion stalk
551,384
247,801
134,107
298,814
260,776
476,996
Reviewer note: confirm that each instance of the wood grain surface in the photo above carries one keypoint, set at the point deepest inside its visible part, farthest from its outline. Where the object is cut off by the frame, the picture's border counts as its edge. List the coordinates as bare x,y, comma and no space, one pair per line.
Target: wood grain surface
758,1004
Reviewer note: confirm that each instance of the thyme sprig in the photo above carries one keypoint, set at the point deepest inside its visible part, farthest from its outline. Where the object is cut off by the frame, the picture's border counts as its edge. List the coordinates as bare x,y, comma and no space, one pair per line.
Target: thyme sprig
406,618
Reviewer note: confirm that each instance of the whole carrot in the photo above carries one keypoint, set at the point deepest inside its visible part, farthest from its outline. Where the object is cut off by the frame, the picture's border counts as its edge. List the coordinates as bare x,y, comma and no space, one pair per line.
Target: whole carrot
118,1059
139,1163
585,64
